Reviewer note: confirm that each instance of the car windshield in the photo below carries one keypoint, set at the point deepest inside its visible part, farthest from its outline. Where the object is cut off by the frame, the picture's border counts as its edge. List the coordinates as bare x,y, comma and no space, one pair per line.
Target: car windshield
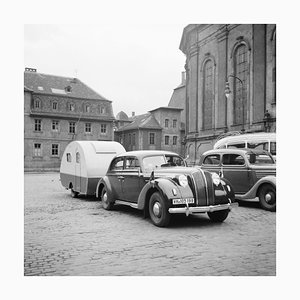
159,161
259,158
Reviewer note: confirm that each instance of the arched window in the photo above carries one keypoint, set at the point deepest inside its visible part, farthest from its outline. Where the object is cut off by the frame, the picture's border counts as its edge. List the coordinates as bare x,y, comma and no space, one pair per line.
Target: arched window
208,94
240,88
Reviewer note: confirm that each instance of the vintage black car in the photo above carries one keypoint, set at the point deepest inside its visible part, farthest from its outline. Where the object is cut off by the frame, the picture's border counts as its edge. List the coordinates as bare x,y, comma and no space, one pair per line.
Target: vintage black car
160,184
251,172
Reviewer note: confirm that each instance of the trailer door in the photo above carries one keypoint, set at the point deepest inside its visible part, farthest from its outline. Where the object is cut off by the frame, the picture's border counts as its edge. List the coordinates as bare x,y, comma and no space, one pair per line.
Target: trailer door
77,178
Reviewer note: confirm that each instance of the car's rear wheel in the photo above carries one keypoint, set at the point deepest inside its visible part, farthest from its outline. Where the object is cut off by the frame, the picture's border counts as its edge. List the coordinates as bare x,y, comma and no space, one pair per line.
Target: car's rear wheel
267,197
218,216
158,210
74,194
106,204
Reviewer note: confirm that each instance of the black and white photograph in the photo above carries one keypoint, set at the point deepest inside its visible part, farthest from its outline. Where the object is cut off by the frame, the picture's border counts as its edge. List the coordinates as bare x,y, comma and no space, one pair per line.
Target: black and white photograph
149,153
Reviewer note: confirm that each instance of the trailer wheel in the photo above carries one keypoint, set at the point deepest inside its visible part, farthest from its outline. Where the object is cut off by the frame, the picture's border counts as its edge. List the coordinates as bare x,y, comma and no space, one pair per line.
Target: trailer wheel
74,194
106,204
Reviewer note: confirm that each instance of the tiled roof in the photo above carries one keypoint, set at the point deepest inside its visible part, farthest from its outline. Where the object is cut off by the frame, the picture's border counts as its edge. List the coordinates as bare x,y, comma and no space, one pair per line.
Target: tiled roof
57,85
122,116
145,121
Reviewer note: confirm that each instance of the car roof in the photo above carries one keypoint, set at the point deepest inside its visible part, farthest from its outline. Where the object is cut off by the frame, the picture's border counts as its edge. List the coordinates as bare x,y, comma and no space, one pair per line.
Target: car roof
144,153
235,151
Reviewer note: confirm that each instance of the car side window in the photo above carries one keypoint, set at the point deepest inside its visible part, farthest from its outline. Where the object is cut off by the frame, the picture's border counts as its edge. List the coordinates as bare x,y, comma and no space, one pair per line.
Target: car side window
212,160
117,164
233,159
131,163
174,160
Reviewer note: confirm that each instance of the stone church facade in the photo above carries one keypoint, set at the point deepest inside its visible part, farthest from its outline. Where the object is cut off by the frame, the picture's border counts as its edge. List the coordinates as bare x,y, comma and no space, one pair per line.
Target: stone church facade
234,59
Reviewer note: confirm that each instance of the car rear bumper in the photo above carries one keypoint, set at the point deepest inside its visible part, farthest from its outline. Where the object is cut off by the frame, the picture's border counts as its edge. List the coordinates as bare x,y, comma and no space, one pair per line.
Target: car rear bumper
201,209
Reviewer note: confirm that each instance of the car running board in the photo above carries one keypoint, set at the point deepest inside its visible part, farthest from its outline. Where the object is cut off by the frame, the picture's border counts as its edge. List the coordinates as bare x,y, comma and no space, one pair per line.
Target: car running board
134,205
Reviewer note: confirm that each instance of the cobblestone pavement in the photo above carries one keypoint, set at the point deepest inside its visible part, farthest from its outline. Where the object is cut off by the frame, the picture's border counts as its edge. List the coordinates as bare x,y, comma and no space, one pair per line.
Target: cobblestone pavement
66,236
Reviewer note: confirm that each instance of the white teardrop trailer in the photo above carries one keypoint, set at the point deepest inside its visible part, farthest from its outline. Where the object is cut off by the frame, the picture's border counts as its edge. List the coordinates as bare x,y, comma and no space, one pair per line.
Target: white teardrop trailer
84,162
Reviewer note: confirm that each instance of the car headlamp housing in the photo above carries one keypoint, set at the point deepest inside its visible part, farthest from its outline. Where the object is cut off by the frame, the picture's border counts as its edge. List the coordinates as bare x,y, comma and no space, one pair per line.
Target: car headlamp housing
183,181
216,179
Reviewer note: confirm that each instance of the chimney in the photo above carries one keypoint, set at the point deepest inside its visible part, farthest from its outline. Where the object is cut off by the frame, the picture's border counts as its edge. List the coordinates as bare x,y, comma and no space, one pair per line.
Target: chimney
30,70
133,114
182,78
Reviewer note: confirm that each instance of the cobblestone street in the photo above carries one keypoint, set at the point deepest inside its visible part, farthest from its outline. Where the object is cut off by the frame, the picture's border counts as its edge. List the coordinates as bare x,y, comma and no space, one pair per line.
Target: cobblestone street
66,236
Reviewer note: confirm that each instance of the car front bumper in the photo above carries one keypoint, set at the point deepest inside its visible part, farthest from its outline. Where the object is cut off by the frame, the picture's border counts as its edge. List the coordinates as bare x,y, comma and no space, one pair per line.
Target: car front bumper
201,209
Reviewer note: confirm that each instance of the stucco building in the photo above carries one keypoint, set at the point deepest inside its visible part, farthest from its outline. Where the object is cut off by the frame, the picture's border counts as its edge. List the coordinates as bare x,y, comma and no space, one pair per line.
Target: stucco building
239,59
159,129
58,110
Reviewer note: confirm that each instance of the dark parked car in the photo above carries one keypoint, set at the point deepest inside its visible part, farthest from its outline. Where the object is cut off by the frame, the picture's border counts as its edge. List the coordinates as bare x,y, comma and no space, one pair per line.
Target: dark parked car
160,184
252,173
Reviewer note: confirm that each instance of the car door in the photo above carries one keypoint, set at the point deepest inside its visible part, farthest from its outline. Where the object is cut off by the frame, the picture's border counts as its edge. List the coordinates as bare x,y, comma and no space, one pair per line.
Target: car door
212,163
132,182
115,176
235,169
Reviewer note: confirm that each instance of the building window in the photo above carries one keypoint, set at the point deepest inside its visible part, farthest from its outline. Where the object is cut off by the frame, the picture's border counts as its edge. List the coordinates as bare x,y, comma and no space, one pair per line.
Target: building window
208,94
167,138
166,123
72,127
37,103
103,129
37,149
174,123
133,139
54,105
54,151
151,138
174,140
102,110
54,125
240,89
37,125
87,108
71,107
88,128
129,138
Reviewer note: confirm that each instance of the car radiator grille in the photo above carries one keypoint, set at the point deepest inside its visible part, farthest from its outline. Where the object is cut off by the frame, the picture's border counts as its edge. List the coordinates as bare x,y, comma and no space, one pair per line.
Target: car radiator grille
200,184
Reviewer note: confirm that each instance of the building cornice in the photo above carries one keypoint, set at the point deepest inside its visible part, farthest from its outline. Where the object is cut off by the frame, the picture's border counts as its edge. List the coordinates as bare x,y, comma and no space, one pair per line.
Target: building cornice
69,117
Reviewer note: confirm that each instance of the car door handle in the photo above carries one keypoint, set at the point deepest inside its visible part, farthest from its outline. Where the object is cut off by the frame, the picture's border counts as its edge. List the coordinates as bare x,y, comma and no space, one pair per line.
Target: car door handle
121,177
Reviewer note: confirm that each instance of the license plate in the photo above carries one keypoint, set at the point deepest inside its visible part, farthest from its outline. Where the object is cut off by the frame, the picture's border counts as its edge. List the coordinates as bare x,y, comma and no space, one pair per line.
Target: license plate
183,201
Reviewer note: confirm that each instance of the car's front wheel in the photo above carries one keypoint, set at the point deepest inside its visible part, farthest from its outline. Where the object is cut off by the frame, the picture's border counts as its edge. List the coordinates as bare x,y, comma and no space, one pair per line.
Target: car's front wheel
106,204
267,197
158,210
218,216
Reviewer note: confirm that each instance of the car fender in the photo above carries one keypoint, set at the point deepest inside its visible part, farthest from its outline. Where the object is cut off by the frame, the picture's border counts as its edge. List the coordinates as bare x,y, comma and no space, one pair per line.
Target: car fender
104,180
252,193
164,186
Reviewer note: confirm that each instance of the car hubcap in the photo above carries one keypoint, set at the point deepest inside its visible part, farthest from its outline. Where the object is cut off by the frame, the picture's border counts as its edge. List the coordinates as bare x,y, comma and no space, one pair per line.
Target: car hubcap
268,197
104,198
157,209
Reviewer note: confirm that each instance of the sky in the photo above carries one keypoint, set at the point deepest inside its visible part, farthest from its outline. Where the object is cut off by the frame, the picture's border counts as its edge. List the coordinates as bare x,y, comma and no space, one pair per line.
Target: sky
135,66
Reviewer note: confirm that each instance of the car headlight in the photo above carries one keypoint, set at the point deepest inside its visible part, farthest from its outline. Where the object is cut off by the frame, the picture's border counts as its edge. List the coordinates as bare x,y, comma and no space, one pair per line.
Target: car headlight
183,181
216,178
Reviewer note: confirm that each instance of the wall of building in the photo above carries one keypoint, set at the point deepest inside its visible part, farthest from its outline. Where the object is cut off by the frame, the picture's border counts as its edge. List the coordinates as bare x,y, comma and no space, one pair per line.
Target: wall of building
217,43
47,136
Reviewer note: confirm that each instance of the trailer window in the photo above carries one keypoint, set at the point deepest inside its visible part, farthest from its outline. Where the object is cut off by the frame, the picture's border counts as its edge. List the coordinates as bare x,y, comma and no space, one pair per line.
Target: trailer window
77,157
69,157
